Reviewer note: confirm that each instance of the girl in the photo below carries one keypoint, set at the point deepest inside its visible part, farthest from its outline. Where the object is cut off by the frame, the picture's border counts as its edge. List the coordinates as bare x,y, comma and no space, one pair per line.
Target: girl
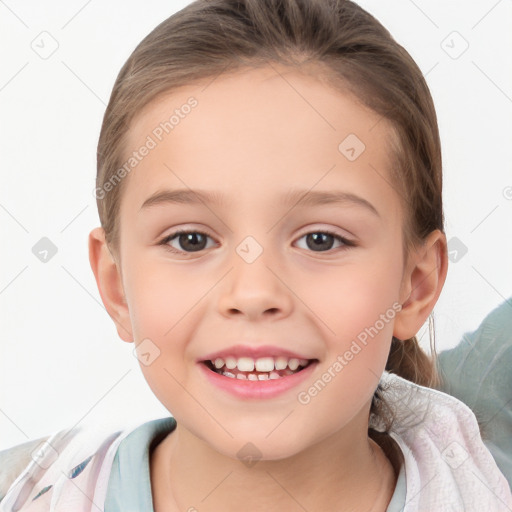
270,193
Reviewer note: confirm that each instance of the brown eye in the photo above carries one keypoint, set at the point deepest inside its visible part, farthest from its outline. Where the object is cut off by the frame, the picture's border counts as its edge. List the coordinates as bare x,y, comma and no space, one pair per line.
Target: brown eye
323,241
319,241
186,241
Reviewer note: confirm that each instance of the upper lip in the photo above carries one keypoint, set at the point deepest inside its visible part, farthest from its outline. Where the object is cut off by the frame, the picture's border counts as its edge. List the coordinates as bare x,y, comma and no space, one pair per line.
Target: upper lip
253,351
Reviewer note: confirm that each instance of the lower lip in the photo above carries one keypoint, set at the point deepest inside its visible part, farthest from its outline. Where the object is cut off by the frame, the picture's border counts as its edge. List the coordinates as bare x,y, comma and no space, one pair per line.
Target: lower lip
262,389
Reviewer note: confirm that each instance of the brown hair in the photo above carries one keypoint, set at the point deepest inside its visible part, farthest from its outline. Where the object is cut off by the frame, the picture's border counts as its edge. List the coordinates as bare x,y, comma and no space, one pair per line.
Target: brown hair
352,49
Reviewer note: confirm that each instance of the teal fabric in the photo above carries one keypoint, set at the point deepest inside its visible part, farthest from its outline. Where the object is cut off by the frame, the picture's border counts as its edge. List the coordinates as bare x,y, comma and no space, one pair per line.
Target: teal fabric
397,502
129,486
478,371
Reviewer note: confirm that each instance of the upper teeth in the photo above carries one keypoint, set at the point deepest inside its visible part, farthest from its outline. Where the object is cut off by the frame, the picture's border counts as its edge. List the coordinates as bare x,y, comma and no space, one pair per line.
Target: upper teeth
262,364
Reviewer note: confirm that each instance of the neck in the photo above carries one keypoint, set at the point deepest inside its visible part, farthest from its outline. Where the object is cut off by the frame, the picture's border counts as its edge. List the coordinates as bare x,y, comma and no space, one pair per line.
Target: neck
333,475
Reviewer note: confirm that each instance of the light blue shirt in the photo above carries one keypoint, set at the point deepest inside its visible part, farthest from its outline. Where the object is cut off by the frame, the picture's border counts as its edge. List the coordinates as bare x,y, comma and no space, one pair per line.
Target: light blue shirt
129,487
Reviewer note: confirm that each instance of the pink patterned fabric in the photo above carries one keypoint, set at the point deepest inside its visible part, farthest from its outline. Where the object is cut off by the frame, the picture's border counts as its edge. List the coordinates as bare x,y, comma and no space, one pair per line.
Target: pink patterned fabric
447,465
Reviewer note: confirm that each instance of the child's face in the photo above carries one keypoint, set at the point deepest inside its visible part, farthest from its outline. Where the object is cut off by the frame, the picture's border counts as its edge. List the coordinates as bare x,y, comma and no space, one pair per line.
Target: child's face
258,280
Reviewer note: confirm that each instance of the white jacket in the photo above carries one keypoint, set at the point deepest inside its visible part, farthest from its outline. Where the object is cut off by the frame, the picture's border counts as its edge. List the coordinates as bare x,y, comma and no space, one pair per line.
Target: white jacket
447,466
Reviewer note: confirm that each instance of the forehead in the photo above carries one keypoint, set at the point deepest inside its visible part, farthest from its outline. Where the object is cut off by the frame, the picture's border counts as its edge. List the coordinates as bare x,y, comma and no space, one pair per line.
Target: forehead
257,129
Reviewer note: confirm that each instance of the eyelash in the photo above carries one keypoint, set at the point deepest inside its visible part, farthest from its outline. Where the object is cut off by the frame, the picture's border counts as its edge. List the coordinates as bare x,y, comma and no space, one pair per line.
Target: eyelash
165,241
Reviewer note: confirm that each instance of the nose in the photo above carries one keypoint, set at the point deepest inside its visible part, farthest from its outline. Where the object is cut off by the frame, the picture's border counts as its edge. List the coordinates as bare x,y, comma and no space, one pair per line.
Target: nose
256,290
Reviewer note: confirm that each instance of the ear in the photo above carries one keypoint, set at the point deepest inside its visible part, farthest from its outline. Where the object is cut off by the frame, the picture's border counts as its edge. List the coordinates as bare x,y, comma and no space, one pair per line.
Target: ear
422,283
109,281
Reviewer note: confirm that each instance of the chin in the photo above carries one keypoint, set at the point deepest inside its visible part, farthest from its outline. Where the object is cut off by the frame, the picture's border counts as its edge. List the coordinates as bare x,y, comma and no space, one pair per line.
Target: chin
255,446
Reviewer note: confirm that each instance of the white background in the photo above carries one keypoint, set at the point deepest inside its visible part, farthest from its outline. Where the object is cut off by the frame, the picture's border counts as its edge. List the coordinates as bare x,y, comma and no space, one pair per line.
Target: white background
61,361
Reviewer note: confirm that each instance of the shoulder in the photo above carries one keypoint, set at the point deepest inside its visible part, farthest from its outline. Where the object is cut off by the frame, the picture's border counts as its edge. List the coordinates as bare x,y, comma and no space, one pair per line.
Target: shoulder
477,372
14,460
445,458
38,468
482,358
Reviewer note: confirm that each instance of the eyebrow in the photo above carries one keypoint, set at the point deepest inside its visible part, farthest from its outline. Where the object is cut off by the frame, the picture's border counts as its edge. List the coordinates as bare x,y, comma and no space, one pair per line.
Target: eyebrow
295,197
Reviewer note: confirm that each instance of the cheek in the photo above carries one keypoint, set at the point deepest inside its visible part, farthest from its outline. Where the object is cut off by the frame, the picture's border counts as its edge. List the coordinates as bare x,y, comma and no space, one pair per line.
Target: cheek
160,310
359,307
353,297
159,320
159,299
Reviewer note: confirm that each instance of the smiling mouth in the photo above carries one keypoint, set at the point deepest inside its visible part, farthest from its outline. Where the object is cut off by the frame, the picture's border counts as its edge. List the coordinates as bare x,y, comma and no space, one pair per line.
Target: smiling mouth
265,368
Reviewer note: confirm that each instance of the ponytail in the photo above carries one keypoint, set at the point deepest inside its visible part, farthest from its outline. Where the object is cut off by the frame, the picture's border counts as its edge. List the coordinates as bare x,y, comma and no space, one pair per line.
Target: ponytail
408,360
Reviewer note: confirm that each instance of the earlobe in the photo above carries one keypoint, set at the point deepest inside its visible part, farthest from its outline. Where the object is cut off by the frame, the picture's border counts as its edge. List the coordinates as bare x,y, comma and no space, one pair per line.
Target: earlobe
422,285
109,282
